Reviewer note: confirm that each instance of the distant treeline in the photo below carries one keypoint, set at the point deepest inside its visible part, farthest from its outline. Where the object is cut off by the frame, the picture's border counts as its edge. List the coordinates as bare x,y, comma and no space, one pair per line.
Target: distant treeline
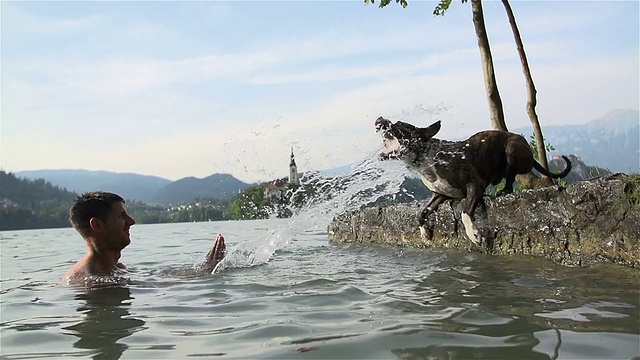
32,204
38,204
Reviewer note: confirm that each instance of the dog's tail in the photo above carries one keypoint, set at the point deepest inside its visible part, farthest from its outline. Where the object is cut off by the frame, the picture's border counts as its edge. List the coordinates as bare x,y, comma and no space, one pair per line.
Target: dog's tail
548,173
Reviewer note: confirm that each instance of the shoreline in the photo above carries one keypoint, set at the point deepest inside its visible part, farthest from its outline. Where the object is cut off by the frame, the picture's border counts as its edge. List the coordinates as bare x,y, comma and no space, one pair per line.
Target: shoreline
590,222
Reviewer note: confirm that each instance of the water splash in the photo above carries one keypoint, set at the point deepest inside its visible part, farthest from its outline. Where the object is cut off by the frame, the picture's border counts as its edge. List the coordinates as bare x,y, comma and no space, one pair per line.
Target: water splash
366,182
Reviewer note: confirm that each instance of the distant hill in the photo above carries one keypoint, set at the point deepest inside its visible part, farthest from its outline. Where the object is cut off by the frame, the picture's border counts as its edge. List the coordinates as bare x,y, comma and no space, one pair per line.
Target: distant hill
611,141
23,192
32,204
148,189
216,186
579,170
130,186
340,170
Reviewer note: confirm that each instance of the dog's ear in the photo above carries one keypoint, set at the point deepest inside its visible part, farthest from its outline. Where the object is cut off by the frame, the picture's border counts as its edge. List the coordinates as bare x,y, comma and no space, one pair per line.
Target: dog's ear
431,130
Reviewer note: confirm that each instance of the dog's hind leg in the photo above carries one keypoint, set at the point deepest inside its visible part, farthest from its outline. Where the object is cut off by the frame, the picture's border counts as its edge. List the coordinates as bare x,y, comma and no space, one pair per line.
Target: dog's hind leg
432,205
509,179
473,197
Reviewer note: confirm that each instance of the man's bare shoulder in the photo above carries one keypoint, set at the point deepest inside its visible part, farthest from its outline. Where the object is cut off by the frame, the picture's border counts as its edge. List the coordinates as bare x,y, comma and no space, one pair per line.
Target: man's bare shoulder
82,273
72,278
75,275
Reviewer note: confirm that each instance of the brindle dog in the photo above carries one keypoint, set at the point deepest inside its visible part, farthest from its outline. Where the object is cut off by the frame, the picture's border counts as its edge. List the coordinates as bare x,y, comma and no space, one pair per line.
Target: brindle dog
460,169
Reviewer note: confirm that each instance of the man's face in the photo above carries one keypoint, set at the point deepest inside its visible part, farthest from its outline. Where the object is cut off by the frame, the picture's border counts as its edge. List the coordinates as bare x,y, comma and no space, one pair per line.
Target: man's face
116,227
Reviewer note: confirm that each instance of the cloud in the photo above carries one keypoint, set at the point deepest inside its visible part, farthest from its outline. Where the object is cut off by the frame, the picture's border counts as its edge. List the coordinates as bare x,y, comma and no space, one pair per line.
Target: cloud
239,108
334,131
24,23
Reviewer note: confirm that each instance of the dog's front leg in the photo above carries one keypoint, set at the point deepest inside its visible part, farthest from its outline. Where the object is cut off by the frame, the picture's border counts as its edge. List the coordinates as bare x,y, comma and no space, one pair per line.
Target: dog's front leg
473,196
432,205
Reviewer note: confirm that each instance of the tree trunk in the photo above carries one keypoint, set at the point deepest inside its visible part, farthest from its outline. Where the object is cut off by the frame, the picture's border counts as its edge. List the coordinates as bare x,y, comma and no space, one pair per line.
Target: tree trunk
493,96
531,89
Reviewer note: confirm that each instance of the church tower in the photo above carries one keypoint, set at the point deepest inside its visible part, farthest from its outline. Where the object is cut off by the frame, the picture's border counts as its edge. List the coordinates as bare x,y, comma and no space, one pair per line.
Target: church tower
293,170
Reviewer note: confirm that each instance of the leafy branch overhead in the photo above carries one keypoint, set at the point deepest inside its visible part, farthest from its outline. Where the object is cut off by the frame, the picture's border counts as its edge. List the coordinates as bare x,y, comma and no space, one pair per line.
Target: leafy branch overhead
439,10
384,3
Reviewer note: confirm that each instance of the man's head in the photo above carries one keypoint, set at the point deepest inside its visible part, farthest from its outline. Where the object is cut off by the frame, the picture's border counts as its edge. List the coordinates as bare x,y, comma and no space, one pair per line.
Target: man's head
101,216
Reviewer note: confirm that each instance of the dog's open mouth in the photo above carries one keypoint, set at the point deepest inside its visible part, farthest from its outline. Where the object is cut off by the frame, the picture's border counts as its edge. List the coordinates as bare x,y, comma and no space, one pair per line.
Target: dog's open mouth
392,147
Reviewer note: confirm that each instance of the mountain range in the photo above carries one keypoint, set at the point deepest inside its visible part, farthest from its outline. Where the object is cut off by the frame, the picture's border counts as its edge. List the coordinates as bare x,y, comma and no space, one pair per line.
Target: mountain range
217,186
128,185
611,141
145,188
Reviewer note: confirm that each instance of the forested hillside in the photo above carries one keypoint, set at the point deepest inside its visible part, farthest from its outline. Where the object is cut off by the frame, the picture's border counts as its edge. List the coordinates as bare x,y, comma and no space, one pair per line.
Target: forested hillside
129,186
38,204
32,204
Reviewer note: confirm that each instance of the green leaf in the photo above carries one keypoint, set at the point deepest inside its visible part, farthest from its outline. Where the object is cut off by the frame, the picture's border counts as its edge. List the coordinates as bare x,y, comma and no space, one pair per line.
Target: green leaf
442,7
384,3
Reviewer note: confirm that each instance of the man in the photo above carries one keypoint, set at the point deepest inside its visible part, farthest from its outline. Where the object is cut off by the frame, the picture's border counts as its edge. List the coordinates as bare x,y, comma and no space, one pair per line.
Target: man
102,221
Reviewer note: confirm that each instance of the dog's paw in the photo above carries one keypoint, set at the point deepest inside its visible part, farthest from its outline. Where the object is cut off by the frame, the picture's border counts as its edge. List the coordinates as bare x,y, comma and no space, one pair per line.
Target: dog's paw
471,230
424,234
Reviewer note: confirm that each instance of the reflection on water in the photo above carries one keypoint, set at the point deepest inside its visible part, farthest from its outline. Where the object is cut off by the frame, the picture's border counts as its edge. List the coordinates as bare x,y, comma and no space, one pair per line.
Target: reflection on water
445,346
506,307
106,320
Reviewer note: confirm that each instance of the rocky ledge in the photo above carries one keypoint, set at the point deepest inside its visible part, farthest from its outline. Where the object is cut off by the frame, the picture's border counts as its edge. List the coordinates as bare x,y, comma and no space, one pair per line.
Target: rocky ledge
592,221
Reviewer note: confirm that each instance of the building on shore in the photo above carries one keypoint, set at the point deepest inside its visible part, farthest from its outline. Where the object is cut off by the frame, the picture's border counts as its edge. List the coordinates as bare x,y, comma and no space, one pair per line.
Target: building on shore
275,190
294,176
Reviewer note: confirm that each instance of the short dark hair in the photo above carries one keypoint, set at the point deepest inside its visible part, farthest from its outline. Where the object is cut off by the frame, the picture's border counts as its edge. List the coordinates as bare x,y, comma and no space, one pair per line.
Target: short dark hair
88,205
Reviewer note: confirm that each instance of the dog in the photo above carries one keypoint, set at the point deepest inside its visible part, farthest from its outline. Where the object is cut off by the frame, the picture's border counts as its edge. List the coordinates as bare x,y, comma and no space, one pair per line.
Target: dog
460,169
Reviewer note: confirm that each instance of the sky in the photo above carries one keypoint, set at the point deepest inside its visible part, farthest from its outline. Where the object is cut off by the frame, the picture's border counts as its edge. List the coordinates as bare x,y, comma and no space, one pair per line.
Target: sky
179,89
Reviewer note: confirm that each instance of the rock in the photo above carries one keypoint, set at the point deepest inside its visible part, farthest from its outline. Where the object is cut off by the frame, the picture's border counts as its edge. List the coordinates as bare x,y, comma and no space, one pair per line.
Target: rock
591,221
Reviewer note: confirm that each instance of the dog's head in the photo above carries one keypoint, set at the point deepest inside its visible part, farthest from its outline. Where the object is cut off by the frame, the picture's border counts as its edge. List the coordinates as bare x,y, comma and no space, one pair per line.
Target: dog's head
400,136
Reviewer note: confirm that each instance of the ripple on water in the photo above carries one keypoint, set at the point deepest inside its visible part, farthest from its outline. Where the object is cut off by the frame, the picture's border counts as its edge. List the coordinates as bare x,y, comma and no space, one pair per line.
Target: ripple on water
481,318
595,345
344,296
319,301
587,311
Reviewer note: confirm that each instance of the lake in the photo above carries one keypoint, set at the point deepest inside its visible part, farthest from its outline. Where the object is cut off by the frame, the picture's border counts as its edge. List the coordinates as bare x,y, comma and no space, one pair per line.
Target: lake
284,292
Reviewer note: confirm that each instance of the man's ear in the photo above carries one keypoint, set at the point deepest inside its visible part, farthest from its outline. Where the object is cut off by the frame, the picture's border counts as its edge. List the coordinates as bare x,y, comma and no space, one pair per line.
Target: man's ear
95,224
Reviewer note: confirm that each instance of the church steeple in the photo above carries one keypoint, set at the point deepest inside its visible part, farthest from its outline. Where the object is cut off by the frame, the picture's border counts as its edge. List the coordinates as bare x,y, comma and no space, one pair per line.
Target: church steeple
293,160
293,170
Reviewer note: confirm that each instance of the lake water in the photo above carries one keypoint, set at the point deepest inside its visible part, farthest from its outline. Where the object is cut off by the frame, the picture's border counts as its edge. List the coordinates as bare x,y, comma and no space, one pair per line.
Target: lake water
308,299
284,291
